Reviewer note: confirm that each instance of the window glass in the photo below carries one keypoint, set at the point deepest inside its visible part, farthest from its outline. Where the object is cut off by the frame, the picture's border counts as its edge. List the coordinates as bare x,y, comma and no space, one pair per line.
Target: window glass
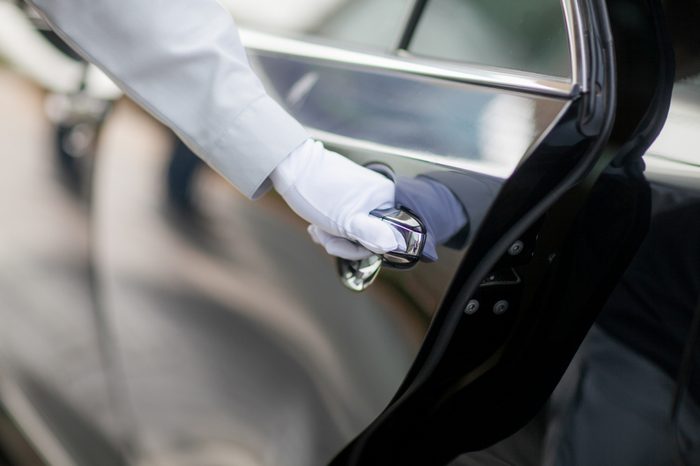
373,23
527,35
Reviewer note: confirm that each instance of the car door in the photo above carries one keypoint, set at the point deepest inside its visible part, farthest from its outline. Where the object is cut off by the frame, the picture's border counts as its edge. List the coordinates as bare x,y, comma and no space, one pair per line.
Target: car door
490,138
236,340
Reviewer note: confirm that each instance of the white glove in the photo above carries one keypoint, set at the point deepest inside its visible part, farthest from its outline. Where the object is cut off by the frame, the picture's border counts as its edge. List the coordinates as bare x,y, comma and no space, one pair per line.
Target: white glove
336,196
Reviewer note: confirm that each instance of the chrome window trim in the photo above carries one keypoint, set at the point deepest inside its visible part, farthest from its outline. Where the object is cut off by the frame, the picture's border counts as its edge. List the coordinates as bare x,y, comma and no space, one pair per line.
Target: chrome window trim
404,62
578,48
409,64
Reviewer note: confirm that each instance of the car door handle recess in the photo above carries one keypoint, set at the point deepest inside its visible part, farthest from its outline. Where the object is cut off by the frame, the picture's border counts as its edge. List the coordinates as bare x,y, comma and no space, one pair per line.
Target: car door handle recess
357,275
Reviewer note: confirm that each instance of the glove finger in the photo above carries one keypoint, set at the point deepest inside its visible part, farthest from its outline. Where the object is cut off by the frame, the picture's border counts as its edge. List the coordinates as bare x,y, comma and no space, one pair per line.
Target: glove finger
336,246
374,234
340,247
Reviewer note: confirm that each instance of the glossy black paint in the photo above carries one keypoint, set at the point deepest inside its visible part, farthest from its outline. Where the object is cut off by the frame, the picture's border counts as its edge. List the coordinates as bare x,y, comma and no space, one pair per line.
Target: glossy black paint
431,432
526,356
475,365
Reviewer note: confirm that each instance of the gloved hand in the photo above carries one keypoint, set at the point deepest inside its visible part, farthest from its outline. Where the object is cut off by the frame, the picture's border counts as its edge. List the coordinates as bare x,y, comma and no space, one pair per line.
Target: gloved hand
336,196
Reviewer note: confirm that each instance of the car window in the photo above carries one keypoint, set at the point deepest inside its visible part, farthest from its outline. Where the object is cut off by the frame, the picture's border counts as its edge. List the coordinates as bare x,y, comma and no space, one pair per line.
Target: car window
515,34
375,24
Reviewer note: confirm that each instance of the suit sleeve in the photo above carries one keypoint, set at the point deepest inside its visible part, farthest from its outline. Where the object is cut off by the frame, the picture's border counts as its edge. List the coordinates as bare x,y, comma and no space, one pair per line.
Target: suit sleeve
183,61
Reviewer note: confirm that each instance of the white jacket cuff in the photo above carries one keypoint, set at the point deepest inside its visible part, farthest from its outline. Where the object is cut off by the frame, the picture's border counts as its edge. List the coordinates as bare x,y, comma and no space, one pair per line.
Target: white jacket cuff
248,152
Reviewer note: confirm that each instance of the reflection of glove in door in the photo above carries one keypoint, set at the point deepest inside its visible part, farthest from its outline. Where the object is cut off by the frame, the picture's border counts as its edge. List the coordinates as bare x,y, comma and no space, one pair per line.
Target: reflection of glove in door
436,206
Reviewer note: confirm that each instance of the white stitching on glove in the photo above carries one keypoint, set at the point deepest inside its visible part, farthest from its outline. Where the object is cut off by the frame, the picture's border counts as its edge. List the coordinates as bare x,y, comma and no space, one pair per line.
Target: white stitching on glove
336,196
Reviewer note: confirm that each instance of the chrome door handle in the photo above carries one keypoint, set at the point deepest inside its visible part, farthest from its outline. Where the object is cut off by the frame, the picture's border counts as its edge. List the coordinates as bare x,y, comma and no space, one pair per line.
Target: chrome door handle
360,274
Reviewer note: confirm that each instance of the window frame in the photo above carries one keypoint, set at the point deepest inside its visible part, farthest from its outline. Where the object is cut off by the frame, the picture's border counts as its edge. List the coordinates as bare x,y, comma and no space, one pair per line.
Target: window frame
400,60
417,13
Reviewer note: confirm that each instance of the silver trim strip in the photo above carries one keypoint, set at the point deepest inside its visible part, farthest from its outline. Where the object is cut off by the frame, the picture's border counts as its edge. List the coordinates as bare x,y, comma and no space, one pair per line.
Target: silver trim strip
406,63
578,48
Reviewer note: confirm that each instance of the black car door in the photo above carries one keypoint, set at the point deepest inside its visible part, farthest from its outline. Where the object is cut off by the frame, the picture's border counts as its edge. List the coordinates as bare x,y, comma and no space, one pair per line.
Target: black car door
235,338
487,362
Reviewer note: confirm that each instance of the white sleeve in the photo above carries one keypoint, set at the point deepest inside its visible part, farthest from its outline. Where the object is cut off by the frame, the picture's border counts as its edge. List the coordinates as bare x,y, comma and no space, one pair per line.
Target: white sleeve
183,61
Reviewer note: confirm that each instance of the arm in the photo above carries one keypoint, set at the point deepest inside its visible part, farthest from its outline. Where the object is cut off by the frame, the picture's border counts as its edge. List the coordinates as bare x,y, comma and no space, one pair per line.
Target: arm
183,61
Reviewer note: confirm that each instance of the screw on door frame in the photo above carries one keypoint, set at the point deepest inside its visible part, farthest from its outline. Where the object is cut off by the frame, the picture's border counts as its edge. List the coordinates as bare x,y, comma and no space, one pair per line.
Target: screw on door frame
516,248
471,307
500,307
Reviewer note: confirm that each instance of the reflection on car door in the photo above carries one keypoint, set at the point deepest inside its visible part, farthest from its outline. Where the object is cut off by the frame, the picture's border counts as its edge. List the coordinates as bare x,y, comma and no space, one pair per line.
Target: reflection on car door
419,123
